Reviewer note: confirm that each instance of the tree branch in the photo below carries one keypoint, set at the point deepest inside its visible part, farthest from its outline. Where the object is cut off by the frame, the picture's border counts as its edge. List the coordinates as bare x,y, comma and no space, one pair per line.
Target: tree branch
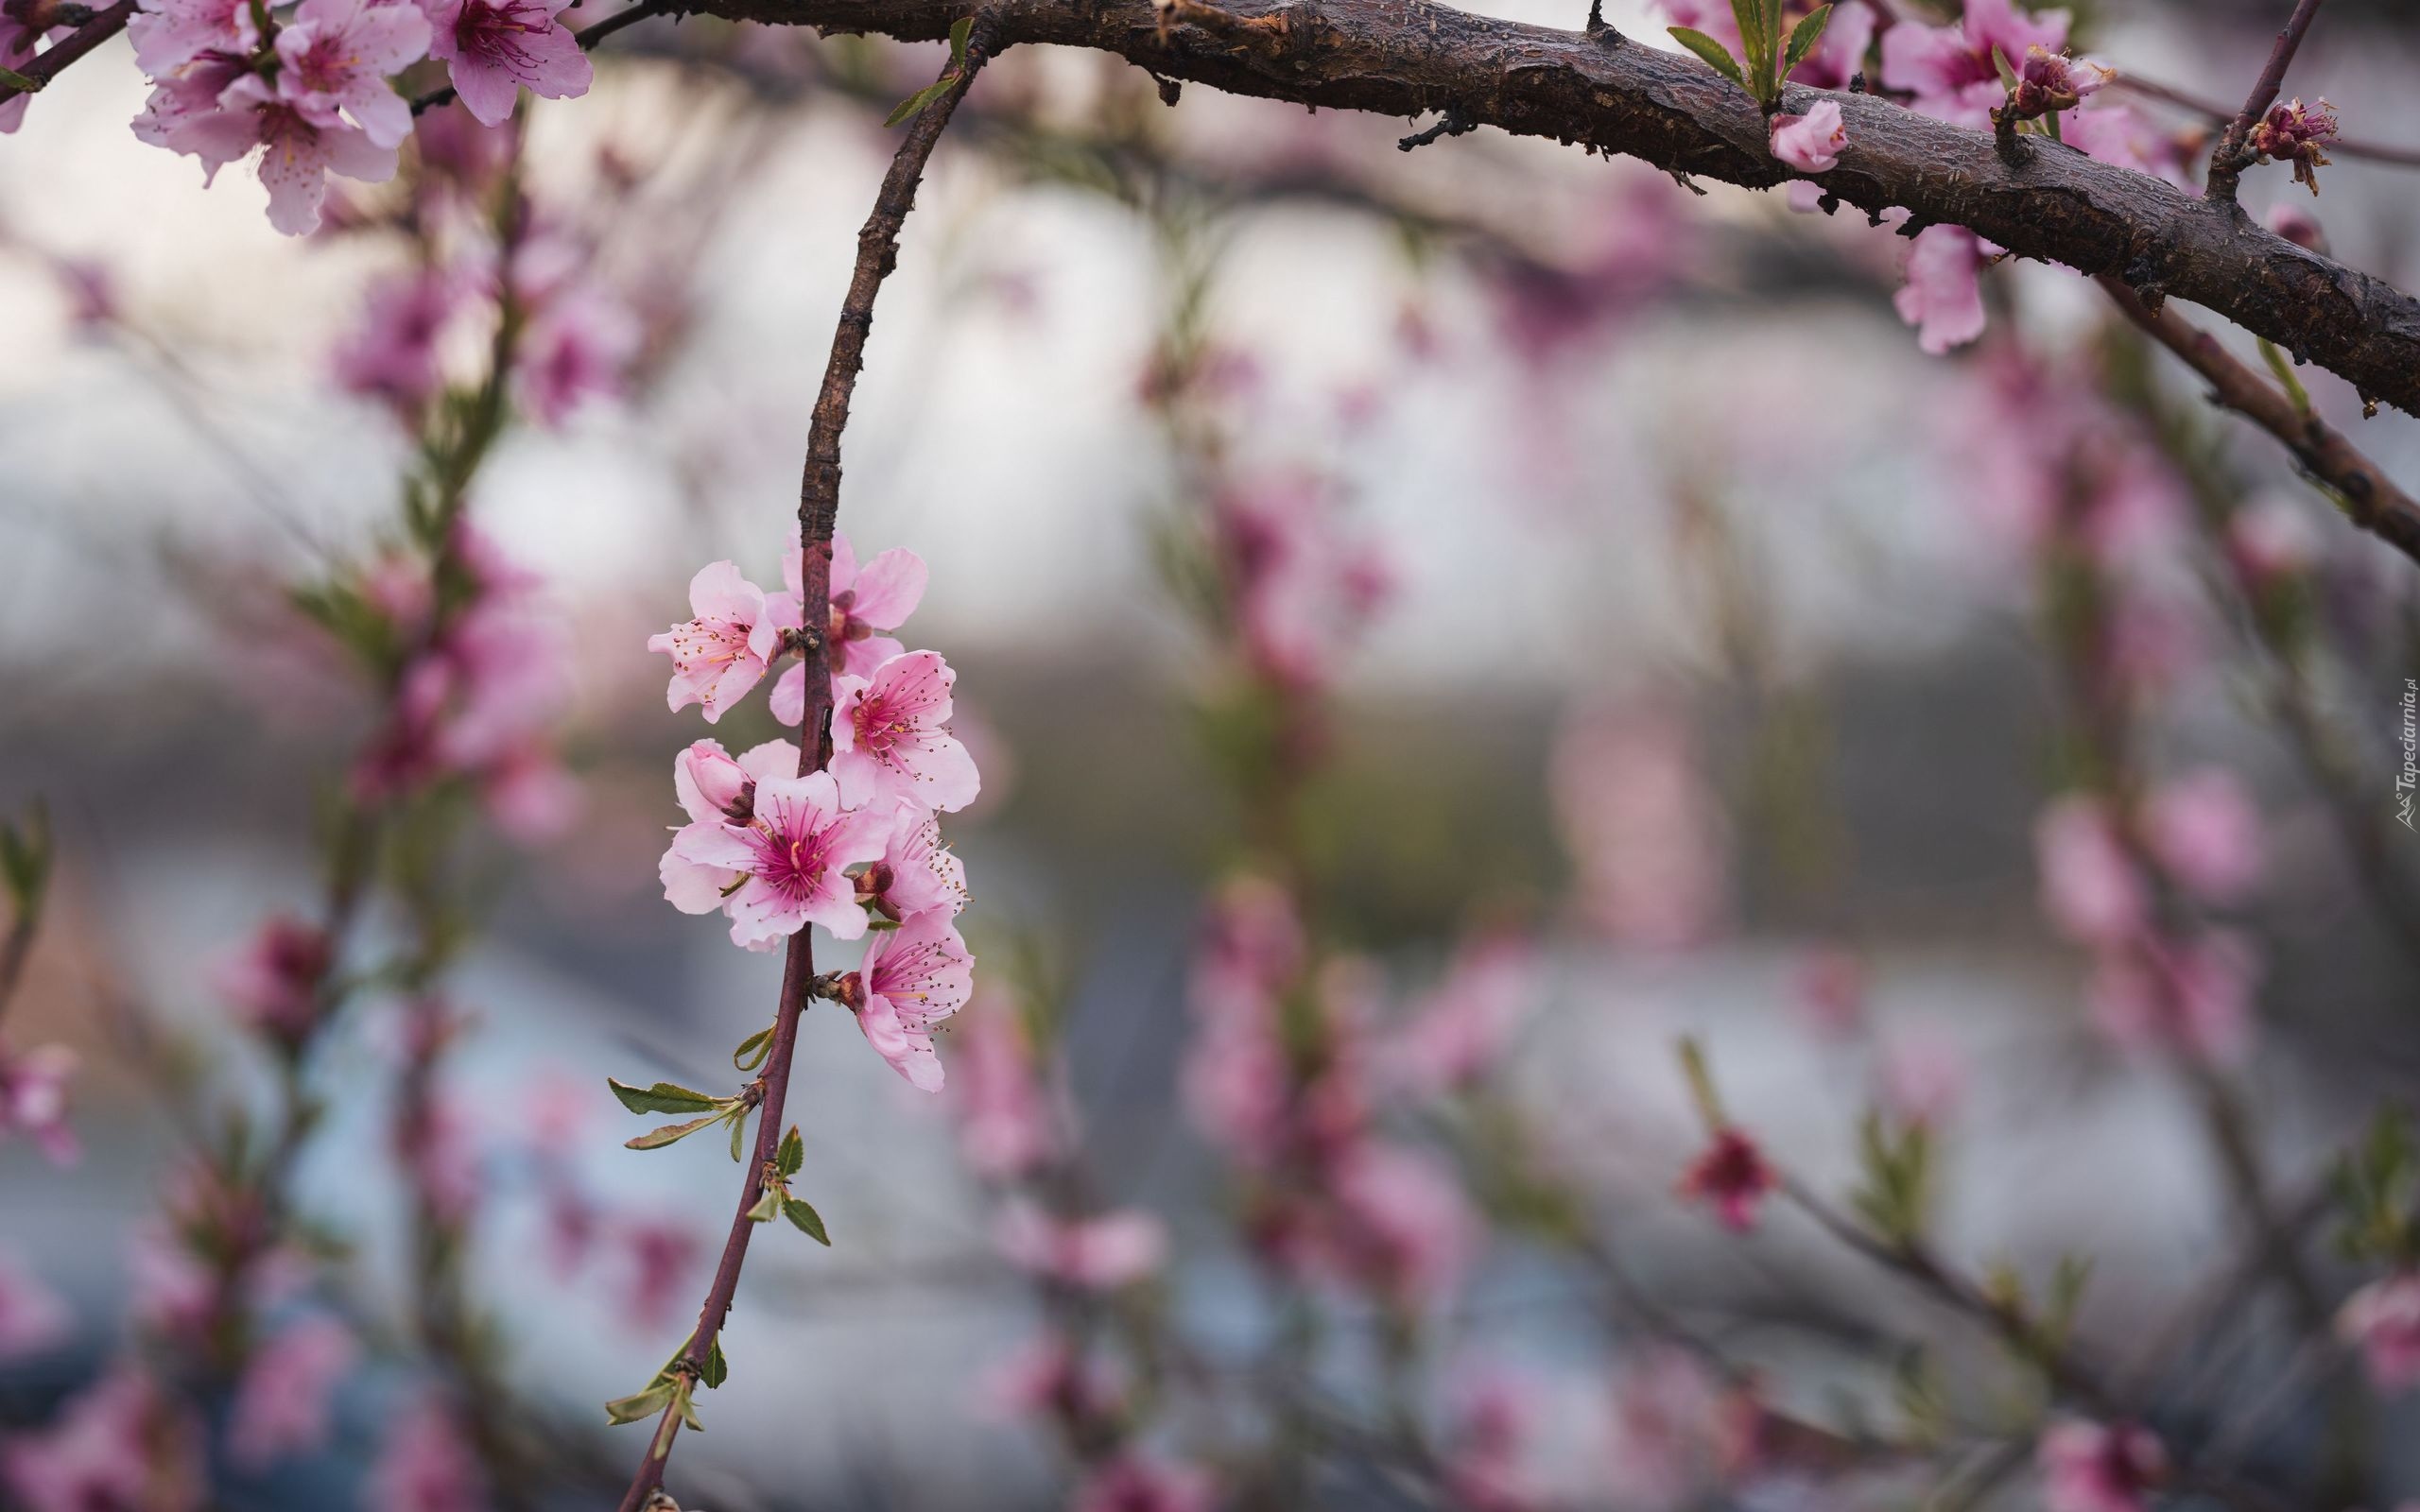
2371,498
1406,58
2228,160
818,512
77,43
2217,116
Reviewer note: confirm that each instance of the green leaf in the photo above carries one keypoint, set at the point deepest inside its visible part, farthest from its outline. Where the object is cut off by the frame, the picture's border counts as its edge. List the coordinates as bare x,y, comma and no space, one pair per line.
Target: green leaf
791,1156
2007,71
767,1207
656,1139
1803,40
914,104
1712,51
739,1126
752,1050
960,31
25,861
810,1222
643,1405
715,1371
665,1098
688,1409
1757,42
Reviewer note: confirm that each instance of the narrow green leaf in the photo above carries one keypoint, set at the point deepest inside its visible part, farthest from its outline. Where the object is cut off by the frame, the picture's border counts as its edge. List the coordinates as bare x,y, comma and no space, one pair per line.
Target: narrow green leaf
810,1222
716,1371
767,1207
644,1404
1755,42
914,104
1803,40
663,1097
738,1117
688,1409
792,1155
656,1139
1713,52
752,1050
960,31
2006,71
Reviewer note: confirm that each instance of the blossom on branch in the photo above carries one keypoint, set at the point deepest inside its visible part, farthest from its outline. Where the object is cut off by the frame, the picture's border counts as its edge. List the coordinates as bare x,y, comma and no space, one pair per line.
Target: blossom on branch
2091,1467
2296,133
339,52
912,978
790,858
1814,141
891,737
2382,1320
492,48
1731,1177
723,652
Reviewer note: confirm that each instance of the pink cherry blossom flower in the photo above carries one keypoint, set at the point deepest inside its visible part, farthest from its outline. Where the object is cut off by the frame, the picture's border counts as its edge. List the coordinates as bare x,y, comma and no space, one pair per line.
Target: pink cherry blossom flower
912,978
425,1464
33,1099
2119,134
866,600
492,48
1100,1253
1644,827
2382,1320
1493,1417
2205,831
2049,82
2091,888
123,1442
717,791
169,33
890,736
1131,1482
281,1404
725,651
339,52
1252,947
1404,1228
392,355
180,113
917,872
2190,997
580,346
1303,590
439,1155
1814,141
2095,1467
1004,1121
1731,1177
792,857
1052,1376
1923,1078
1943,297
301,142
33,1319
529,793
1458,1032
2298,133
1949,70
273,982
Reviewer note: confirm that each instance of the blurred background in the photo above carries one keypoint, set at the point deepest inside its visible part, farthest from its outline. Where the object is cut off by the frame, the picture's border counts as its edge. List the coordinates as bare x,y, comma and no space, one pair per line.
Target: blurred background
1516,608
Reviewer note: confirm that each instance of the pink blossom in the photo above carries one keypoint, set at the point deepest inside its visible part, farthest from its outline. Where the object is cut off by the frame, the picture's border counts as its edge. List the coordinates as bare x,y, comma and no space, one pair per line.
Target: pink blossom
168,34
2205,831
1923,1079
1004,1123
2119,134
427,1463
1100,1253
2091,888
1943,297
792,856
912,978
2272,541
338,53
2382,1319
664,1254
1493,1420
1405,1228
2049,82
273,983
439,1152
1643,826
716,791
1458,1032
2298,133
1131,1482
122,1443
866,600
458,146
1731,1177
1303,592
1812,141
580,346
529,793
917,872
392,355
1252,947
33,1099
2187,997
33,1319
1051,1375
281,1403
890,736
302,141
2094,1467
492,48
1831,991
725,650
1950,69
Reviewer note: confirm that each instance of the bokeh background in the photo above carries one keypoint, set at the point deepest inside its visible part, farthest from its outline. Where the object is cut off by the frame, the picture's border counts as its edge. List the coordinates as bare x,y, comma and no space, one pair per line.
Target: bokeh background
1707,660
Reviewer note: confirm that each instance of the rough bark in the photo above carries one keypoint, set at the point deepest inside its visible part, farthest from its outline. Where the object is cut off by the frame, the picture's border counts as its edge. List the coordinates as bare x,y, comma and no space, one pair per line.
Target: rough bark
1406,58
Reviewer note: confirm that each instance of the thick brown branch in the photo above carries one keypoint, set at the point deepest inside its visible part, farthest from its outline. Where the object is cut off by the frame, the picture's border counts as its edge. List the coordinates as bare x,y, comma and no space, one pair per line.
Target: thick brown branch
818,512
2371,498
1410,58
77,43
2230,158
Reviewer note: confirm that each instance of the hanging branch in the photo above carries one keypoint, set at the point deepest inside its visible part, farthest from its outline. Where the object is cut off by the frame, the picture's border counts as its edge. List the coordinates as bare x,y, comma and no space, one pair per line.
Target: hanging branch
818,512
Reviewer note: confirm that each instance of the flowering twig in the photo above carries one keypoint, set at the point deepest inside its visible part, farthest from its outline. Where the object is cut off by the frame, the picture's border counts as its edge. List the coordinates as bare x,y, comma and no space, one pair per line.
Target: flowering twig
2228,160
818,508
2220,116
83,40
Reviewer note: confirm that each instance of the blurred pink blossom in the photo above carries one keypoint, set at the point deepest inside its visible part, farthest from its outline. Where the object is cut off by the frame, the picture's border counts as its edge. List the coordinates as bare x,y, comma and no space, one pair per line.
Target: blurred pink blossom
2091,888
1100,1253
273,981
1731,1177
2205,831
2191,998
33,1099
121,1443
1923,1077
1459,1030
1131,1482
1831,988
2382,1320
1950,69
1004,1123
579,346
2089,1467
427,1463
1643,826
33,1319
392,354
281,1403
1490,1421
2272,540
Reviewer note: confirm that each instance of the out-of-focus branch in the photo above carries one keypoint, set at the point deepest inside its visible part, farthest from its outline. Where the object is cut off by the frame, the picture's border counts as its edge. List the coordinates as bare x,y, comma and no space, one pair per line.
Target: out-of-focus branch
2228,162
818,505
48,65
2370,497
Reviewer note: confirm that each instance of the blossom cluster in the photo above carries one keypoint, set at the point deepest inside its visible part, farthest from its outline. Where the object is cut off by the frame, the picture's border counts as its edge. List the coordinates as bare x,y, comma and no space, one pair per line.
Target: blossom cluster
776,845
312,93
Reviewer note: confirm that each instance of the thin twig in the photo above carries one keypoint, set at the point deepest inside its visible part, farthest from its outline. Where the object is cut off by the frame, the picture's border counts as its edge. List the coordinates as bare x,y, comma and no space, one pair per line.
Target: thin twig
2370,497
2227,162
2220,116
75,45
818,510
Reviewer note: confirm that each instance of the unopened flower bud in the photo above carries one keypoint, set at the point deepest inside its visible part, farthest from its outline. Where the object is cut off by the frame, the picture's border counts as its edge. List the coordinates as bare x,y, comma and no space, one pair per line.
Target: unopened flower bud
722,781
2051,82
850,991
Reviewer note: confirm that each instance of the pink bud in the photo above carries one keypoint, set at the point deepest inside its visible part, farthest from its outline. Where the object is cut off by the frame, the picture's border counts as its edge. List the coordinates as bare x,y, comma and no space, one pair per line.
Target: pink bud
723,783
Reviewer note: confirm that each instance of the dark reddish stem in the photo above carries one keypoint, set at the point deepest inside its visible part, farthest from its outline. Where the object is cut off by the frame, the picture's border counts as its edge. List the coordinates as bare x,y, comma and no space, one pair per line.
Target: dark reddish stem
42,70
2227,161
818,505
